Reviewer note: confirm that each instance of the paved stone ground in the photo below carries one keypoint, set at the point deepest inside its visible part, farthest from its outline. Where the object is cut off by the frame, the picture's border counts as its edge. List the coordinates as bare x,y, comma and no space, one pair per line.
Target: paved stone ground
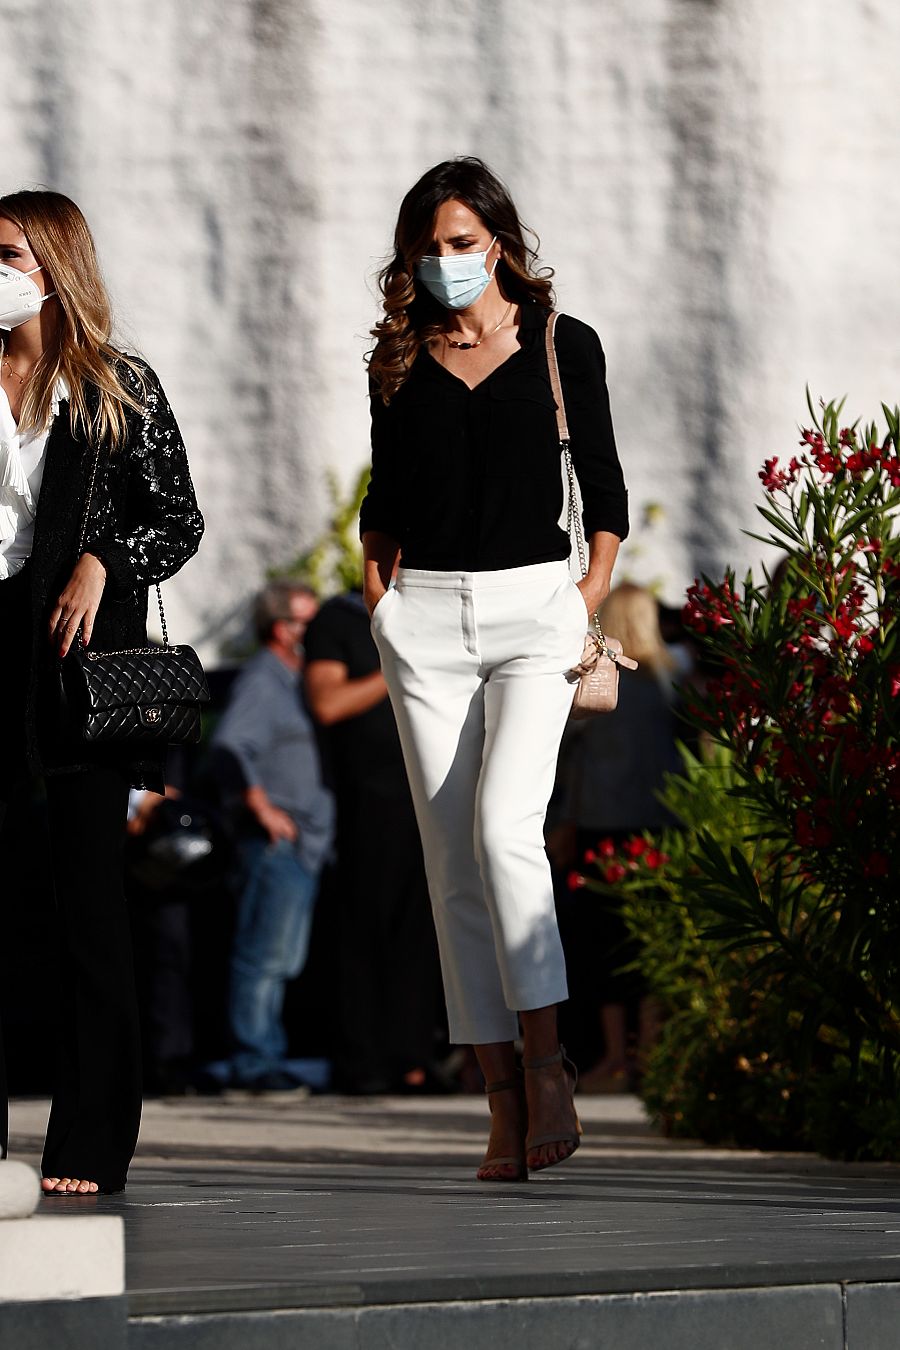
240,1203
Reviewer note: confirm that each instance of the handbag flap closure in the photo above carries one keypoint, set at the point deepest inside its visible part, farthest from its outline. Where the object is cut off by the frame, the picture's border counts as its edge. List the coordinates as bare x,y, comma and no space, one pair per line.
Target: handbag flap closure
152,676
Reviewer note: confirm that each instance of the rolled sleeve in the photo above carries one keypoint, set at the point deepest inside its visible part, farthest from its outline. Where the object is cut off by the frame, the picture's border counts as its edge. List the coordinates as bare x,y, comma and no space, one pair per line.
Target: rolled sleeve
384,503
582,366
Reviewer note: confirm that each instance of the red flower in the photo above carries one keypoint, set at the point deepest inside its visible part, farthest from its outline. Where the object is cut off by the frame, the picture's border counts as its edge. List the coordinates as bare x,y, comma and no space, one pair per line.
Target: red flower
843,624
876,865
615,872
633,848
798,608
856,761
810,833
706,606
653,858
825,461
773,480
590,856
787,765
574,881
862,460
606,848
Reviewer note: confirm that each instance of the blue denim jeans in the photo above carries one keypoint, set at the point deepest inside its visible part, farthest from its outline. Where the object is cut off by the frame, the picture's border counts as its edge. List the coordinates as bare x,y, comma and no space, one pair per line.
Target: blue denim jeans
271,940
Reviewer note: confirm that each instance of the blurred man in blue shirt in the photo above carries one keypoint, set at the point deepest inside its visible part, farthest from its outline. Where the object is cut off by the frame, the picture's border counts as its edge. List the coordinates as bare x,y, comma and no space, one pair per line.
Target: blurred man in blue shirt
267,759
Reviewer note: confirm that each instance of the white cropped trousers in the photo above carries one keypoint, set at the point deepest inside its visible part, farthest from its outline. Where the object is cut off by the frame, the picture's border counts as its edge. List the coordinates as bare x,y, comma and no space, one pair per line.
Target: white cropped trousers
475,664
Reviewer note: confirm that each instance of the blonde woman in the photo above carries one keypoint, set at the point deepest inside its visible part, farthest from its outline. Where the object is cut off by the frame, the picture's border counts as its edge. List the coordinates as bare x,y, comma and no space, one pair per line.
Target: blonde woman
484,621
67,394
610,772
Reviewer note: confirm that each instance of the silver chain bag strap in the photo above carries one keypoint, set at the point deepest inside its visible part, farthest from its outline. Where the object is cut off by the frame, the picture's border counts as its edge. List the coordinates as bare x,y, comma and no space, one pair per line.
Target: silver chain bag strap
596,677
146,696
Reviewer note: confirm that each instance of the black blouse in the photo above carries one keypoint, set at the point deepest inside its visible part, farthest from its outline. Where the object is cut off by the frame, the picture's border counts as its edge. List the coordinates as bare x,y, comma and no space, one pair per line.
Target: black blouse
469,479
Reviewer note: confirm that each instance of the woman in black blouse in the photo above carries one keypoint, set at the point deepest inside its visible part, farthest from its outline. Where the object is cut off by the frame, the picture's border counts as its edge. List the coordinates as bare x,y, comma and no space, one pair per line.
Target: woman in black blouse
70,397
484,621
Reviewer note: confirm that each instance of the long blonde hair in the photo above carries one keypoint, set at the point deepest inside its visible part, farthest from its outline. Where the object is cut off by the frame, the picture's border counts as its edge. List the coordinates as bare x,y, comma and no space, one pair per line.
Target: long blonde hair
80,350
631,614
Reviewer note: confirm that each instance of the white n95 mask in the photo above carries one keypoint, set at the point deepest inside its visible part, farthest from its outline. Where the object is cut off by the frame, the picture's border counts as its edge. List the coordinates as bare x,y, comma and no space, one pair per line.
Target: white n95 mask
20,298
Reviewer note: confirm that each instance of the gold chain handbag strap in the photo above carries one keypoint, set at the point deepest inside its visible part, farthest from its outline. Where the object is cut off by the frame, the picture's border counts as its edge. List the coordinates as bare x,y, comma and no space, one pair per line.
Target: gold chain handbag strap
84,524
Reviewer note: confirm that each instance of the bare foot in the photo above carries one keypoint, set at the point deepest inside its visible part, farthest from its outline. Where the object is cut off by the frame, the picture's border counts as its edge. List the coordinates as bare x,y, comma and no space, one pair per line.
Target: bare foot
68,1186
551,1112
507,1138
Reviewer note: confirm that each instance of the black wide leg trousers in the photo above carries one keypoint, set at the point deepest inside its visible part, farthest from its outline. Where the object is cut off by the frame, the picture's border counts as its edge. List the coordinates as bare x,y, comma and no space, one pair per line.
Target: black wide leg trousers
95,1116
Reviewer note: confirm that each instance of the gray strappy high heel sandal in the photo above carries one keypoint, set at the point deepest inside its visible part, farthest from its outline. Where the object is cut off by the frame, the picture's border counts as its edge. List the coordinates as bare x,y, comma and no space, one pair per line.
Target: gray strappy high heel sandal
519,1163
533,1142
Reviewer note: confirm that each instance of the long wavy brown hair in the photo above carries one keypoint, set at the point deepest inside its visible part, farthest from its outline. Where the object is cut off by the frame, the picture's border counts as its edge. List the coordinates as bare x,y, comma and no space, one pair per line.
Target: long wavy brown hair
80,349
412,316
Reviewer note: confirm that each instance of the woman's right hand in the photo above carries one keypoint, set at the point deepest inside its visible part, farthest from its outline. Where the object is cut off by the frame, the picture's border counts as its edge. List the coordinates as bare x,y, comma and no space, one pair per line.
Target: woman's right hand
78,604
371,597
380,554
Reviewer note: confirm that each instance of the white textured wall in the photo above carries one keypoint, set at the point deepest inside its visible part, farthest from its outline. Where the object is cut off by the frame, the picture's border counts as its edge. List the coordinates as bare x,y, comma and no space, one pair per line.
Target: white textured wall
715,183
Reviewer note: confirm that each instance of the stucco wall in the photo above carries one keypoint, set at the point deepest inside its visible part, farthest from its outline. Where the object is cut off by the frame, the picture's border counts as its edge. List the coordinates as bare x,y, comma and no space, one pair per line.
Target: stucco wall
715,183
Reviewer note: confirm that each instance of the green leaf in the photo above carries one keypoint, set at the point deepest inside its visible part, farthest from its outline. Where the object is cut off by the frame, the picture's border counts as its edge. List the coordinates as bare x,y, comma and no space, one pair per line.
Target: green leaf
803,509
779,523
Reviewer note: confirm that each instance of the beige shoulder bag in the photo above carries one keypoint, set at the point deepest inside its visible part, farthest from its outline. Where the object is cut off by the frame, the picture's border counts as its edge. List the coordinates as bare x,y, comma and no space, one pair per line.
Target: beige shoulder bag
596,677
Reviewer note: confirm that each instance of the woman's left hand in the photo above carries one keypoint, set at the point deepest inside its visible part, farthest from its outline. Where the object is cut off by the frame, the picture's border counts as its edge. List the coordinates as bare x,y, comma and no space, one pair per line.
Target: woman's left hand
78,604
595,586
594,591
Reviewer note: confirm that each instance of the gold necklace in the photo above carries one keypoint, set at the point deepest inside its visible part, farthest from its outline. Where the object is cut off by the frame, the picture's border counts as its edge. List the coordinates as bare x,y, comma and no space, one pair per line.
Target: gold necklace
14,373
467,346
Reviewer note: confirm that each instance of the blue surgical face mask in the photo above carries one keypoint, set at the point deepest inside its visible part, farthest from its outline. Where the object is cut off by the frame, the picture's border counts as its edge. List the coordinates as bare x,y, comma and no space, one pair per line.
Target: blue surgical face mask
458,280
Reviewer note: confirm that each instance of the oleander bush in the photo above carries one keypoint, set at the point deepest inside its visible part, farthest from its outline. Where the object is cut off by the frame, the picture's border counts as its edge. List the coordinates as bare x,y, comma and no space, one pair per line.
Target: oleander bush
770,919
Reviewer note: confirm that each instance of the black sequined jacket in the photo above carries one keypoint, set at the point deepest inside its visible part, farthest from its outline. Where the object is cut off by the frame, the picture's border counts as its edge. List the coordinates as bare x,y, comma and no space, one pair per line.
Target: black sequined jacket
143,524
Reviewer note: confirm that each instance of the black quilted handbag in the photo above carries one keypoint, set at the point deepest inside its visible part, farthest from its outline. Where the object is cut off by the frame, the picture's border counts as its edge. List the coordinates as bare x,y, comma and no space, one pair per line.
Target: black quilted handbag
142,696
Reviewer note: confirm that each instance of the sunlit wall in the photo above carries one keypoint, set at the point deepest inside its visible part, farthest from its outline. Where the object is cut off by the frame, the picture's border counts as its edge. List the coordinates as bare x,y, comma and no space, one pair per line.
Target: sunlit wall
715,183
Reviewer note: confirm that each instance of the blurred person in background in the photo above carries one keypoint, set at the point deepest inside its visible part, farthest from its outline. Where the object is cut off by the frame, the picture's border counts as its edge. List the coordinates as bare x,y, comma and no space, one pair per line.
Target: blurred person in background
265,757
484,622
71,401
387,960
610,771
178,868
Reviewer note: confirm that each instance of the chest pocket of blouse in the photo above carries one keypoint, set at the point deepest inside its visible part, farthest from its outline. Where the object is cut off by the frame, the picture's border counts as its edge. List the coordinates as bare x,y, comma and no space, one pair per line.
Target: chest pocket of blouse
523,438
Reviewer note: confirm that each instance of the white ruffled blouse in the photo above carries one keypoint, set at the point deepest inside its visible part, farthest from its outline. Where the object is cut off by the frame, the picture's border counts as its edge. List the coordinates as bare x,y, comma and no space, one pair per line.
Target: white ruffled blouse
22,456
